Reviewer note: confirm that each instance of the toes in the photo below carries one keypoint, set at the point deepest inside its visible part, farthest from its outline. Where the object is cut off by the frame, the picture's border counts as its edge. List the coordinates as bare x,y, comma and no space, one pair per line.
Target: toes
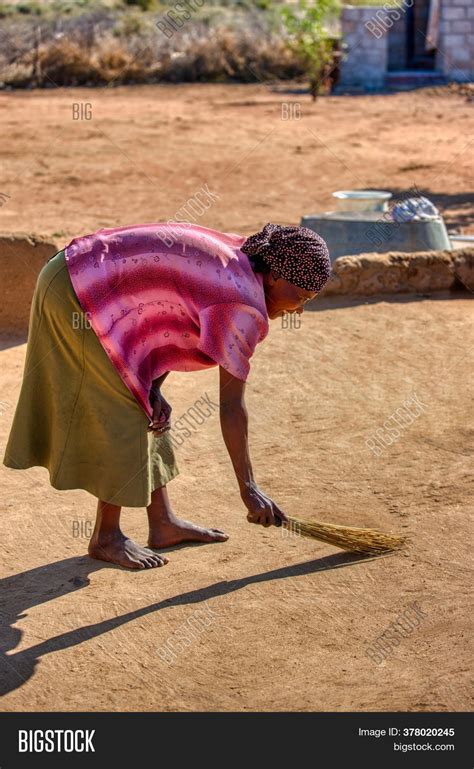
149,558
210,535
213,535
154,560
218,535
158,560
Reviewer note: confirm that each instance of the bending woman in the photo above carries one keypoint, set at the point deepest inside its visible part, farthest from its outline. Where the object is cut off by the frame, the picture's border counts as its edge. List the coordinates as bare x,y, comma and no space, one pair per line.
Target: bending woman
112,314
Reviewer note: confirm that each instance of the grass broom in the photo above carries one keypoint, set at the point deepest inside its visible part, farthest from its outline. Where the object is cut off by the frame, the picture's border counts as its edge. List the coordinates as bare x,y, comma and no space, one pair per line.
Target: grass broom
367,541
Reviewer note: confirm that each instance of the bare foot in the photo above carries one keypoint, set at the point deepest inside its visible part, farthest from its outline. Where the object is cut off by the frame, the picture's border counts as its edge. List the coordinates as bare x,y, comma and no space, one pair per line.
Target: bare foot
168,533
121,550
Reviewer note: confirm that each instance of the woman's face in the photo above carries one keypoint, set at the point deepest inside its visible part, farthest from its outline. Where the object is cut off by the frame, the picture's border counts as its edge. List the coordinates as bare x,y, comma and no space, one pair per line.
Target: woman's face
282,296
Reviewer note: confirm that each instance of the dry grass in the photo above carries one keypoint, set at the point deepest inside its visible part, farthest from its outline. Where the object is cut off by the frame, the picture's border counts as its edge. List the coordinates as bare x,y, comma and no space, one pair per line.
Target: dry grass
367,541
102,47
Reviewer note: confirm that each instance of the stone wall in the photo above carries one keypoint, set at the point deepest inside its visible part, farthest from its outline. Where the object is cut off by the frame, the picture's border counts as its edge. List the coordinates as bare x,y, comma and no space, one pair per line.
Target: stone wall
455,56
398,272
365,58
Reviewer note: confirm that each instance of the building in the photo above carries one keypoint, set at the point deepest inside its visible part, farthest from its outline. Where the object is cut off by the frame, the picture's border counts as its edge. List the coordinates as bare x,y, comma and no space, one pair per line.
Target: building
416,42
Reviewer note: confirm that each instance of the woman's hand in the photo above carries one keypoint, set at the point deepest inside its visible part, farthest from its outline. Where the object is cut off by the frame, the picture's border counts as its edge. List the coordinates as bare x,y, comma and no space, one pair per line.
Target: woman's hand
160,422
261,509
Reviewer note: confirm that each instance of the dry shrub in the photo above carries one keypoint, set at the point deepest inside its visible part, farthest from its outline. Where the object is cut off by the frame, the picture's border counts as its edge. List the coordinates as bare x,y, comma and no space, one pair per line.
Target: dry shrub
64,62
17,75
94,49
113,61
226,54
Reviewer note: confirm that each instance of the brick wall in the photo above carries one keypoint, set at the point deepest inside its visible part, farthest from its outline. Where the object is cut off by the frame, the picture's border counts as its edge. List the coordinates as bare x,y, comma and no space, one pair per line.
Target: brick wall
455,56
366,55
375,44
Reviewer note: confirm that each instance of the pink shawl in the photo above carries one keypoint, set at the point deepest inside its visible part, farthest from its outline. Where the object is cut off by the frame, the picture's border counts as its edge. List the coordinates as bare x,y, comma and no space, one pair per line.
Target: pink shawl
164,297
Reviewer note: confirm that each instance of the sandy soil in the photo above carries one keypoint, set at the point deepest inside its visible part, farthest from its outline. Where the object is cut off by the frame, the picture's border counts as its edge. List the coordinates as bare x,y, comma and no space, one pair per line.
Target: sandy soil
264,621
285,623
147,150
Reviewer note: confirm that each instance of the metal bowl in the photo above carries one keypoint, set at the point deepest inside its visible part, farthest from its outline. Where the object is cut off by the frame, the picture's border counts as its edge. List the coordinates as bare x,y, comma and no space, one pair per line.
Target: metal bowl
362,200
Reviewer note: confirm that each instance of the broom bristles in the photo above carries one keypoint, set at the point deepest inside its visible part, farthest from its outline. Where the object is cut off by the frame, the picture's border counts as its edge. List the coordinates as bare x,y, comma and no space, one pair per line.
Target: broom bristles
368,541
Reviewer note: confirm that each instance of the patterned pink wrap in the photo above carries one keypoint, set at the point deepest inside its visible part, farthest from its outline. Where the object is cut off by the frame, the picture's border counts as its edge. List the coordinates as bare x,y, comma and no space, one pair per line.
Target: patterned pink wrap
168,298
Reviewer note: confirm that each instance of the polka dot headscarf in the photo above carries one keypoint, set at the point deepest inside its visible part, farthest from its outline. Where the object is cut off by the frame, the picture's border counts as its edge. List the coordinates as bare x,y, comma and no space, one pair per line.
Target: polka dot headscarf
295,253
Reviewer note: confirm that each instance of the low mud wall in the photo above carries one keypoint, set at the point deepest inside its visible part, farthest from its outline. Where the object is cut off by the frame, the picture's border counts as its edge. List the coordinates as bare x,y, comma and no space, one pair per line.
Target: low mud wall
22,257
401,273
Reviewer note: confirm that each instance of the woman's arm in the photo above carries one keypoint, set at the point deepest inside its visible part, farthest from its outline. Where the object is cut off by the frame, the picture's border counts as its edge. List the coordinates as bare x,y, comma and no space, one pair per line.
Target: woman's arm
234,426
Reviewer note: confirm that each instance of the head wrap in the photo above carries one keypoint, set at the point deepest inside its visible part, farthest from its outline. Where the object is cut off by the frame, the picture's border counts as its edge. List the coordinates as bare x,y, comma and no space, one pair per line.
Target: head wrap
297,254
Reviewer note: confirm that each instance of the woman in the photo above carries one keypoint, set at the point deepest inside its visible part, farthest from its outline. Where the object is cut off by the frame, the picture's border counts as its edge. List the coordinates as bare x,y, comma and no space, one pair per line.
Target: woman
112,314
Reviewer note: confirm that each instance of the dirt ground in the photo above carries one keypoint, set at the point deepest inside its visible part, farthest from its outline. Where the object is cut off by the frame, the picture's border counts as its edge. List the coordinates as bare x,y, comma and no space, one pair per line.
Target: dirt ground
263,621
146,150
271,621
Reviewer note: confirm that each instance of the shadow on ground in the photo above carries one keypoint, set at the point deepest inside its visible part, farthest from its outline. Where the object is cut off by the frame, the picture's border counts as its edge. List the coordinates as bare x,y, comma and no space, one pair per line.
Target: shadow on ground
46,583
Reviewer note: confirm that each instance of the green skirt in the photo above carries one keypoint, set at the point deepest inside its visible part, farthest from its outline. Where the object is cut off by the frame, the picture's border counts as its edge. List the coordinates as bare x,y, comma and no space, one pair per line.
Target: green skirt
75,415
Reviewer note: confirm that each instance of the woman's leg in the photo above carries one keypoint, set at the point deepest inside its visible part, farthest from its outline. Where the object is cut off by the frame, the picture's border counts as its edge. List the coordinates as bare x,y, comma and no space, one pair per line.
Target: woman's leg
108,543
166,529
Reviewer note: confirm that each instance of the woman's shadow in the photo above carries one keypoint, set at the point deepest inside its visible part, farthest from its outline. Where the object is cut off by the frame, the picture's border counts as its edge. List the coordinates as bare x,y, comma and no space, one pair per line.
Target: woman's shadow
22,591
